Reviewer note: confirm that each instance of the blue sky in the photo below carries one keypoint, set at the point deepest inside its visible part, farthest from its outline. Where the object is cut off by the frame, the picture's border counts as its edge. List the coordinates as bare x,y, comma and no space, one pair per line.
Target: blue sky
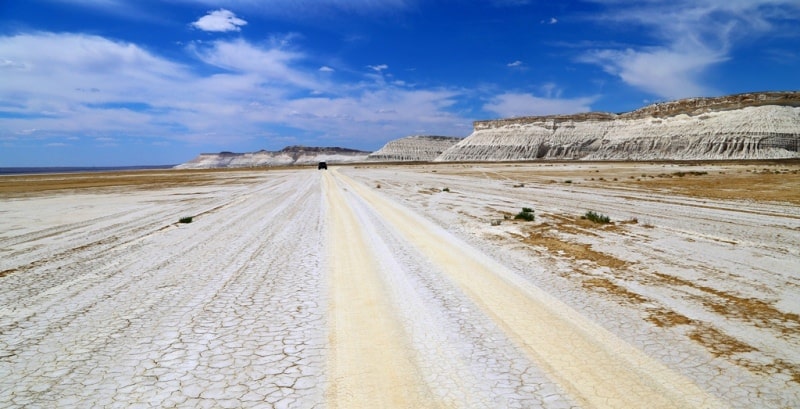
146,82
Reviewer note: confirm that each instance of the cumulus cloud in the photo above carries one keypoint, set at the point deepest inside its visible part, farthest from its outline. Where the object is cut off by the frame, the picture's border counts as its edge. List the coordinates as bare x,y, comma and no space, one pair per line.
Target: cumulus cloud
219,20
519,104
325,68
515,64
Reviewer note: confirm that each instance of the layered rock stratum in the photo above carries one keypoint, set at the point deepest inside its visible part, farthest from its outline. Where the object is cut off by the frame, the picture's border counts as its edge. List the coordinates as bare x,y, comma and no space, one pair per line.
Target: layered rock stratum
422,148
291,155
763,125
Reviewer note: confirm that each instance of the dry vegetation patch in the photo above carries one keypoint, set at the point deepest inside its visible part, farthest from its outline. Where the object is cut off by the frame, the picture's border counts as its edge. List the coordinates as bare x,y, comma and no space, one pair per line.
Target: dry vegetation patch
759,312
29,185
776,181
611,288
547,235
738,183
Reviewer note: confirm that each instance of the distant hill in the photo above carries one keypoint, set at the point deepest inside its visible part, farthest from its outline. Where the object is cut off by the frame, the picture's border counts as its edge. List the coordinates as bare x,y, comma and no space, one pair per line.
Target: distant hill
290,155
418,148
763,125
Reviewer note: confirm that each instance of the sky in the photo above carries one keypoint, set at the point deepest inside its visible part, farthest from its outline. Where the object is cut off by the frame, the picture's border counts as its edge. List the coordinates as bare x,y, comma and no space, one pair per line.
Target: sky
146,82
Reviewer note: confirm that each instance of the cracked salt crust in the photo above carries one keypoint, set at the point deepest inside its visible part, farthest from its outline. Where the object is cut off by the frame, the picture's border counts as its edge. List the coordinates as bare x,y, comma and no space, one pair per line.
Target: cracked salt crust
119,305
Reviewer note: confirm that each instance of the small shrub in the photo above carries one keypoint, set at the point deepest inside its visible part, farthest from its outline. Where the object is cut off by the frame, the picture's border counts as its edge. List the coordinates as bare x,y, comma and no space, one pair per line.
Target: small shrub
378,186
596,217
447,189
185,220
526,214
568,181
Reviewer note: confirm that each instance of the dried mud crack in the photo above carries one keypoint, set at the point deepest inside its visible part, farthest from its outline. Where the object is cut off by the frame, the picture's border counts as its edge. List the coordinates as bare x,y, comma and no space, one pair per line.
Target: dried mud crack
392,286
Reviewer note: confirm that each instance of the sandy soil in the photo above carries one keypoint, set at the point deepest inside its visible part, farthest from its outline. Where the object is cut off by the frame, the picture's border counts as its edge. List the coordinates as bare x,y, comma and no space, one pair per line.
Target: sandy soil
403,286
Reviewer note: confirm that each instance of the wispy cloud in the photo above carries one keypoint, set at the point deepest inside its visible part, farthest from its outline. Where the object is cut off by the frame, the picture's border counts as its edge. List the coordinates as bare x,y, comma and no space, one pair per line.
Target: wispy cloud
304,10
665,72
684,39
76,84
219,20
520,104
378,68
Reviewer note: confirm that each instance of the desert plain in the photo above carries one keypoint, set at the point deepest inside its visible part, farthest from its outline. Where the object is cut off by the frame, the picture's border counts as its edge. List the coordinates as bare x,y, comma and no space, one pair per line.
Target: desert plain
404,286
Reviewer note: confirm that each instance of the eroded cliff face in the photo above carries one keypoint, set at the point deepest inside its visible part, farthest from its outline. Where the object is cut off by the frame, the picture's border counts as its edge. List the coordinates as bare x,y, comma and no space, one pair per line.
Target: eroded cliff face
291,155
421,148
744,126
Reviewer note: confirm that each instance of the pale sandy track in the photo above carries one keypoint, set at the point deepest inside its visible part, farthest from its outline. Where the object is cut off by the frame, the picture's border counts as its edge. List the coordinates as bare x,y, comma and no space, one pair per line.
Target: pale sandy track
371,365
599,369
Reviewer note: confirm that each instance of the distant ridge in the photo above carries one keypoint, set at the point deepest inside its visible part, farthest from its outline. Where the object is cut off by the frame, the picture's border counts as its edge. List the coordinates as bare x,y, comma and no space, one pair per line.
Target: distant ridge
290,155
763,125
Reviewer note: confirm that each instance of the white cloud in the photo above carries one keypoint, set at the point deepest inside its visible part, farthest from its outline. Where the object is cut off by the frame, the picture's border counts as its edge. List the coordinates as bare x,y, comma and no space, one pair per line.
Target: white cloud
240,56
219,20
378,68
551,21
76,84
517,104
514,64
664,72
304,10
686,38
325,68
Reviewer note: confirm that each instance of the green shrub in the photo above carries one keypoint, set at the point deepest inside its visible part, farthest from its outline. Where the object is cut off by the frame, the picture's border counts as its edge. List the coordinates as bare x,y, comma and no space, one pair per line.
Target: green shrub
185,220
447,189
525,214
596,217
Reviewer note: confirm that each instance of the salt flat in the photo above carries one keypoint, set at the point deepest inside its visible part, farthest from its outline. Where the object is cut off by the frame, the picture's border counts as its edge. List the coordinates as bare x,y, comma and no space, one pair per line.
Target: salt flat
403,286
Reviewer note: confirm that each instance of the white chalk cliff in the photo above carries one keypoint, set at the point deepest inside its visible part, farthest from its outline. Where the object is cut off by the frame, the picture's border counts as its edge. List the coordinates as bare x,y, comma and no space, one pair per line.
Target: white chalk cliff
744,126
291,155
422,148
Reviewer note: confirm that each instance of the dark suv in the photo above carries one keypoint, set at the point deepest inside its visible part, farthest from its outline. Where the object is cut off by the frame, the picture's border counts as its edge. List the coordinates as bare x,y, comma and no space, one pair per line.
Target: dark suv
322,165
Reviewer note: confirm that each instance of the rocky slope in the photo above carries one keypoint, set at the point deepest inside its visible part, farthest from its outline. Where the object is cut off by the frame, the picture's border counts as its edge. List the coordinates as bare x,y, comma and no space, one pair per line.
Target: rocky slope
414,148
291,155
744,126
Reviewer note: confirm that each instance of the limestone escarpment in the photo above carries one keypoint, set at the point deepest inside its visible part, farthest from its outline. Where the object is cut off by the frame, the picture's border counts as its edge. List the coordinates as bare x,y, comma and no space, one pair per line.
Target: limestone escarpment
414,148
291,155
744,126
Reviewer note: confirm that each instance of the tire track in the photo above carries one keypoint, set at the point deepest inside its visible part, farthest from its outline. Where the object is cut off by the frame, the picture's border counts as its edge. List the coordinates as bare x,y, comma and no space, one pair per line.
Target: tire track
598,369
370,363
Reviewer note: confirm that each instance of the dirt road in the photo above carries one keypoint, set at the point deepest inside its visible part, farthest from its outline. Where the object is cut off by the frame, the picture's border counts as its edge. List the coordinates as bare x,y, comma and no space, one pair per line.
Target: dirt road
292,289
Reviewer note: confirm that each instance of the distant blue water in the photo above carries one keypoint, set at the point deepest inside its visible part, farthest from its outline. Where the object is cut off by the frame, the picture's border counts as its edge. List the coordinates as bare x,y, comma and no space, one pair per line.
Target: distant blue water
71,169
